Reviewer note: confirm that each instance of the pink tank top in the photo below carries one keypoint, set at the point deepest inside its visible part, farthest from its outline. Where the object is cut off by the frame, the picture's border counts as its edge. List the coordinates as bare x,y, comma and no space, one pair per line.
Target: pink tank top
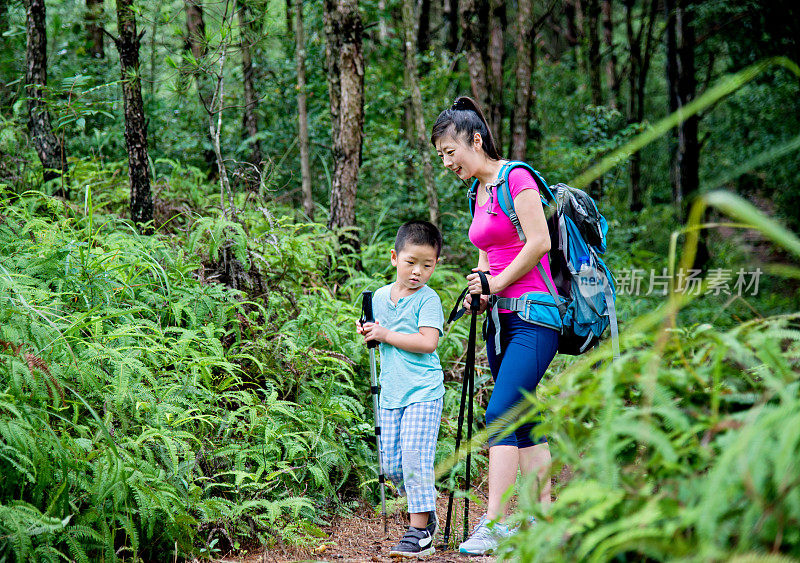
495,234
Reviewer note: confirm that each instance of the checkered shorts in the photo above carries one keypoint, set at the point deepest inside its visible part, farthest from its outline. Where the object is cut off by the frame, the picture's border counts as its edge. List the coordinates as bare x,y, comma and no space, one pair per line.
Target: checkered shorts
408,446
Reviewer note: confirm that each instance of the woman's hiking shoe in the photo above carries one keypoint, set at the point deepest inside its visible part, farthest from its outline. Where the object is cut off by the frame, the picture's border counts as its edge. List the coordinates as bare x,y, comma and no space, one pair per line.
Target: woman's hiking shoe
415,543
485,537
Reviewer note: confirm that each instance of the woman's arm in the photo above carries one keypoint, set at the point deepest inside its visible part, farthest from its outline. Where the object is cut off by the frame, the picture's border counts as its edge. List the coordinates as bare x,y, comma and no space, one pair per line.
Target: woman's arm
529,209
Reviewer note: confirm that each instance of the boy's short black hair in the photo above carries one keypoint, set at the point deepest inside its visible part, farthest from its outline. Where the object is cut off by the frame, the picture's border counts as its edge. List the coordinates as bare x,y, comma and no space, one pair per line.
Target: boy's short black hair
418,232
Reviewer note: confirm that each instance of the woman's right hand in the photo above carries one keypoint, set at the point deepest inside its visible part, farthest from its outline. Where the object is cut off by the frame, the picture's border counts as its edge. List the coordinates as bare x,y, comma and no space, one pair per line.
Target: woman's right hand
481,308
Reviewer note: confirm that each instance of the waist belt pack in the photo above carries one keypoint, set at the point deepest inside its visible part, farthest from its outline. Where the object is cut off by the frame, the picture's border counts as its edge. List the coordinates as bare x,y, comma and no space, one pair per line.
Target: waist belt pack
581,303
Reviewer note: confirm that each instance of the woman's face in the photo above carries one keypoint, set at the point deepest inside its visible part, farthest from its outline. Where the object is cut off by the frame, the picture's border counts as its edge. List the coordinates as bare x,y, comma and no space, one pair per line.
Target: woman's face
459,156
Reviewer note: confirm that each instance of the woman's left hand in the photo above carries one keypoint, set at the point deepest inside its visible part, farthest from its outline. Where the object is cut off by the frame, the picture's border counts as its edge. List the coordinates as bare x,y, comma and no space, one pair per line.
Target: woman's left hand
474,282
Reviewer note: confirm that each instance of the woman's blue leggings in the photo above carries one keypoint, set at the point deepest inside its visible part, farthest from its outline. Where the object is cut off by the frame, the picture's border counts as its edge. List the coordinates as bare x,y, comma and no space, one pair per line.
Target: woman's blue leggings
526,352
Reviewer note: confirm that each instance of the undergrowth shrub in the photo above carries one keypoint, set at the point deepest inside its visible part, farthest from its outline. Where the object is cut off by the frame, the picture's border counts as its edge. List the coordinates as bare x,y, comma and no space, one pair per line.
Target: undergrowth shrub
681,452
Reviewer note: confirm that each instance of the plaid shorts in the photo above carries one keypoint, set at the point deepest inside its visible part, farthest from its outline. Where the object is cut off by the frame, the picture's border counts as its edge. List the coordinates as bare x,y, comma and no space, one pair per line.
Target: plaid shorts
408,446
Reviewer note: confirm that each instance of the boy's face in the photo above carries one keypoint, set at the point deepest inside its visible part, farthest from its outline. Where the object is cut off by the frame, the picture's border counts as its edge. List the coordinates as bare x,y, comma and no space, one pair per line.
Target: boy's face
415,265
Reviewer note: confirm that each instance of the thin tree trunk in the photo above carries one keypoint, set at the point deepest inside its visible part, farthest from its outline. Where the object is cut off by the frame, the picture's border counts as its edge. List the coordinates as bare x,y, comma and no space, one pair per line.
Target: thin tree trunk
302,112
94,14
423,26
344,32
593,51
686,157
473,27
249,120
412,84
450,9
497,17
49,148
135,123
195,28
523,72
611,63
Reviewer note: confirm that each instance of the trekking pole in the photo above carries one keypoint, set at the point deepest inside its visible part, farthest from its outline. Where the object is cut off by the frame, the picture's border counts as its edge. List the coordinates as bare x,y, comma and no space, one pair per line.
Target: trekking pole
466,388
368,317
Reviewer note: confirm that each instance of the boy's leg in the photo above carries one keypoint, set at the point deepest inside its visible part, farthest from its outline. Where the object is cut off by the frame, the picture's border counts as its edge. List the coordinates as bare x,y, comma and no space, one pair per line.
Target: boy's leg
390,445
419,430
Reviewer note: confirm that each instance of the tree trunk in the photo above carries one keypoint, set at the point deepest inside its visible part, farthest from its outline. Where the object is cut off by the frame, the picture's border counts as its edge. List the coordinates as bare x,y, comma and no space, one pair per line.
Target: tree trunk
497,22
524,47
682,90
94,14
344,30
302,112
640,45
249,120
450,9
412,85
135,125
611,63
593,51
423,26
473,26
49,148
195,28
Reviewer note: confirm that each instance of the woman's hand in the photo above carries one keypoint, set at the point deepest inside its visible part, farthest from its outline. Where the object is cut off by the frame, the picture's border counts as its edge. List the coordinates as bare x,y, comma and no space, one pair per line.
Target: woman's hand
481,308
474,282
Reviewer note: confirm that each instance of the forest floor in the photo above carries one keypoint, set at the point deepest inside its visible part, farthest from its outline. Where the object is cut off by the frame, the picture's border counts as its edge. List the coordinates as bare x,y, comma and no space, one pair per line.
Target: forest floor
361,538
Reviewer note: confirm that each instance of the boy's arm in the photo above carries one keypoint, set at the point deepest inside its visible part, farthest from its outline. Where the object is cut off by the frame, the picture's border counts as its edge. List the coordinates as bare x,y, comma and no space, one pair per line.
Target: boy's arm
423,342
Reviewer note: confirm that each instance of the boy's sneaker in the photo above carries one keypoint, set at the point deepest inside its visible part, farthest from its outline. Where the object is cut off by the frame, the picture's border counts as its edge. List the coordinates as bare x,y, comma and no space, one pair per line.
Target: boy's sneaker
433,523
415,543
485,537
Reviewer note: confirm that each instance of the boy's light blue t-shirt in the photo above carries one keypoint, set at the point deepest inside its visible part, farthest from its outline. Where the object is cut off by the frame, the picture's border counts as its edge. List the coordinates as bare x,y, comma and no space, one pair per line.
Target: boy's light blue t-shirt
409,377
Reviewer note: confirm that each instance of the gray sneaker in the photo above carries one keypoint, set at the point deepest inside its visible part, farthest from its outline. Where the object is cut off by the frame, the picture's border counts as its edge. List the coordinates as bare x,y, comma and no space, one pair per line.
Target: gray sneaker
433,523
485,537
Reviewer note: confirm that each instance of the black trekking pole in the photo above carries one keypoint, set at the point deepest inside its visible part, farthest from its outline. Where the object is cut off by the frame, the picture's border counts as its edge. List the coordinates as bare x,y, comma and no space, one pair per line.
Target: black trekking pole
368,317
467,389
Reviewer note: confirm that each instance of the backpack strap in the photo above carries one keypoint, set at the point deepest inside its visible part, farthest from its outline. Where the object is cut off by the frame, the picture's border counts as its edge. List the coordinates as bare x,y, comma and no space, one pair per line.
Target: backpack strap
505,200
472,195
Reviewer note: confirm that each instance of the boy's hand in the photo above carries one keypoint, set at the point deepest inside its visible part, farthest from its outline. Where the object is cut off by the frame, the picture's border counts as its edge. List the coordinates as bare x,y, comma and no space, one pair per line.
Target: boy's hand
373,331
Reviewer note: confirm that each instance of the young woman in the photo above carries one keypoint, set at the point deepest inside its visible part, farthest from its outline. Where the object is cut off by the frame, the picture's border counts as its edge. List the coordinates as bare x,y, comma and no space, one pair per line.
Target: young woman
465,144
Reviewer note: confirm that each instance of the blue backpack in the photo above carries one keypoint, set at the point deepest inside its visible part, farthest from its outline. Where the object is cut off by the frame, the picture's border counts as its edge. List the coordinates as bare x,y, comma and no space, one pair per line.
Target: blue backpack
581,305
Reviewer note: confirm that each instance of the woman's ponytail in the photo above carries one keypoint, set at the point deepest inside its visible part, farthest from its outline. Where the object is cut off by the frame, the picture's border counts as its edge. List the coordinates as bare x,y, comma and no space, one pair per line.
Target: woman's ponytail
465,118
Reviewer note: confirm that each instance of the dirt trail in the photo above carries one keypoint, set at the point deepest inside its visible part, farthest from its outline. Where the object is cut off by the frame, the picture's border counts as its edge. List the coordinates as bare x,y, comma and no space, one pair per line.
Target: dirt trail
361,538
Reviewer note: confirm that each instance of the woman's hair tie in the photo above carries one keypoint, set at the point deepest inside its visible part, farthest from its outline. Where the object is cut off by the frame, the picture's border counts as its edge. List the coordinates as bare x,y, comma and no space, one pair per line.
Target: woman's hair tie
460,104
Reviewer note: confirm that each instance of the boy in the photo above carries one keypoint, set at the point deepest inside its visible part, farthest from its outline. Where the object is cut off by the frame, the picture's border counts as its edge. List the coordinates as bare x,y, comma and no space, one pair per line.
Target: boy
408,324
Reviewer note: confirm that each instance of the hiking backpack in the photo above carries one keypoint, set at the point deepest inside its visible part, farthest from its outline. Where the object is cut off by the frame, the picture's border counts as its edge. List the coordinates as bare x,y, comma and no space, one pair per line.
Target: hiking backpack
581,305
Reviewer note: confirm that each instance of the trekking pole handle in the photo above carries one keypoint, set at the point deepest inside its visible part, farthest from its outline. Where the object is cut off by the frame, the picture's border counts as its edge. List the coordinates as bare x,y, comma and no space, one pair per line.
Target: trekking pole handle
475,303
367,316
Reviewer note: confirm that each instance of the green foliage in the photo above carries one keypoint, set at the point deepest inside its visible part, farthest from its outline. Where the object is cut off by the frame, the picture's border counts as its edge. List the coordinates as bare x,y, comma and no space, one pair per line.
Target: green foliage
141,408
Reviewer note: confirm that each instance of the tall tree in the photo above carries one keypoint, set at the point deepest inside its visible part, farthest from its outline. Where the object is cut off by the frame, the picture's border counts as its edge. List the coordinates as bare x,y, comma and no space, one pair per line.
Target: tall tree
682,86
524,48
451,11
412,85
592,49
612,73
135,123
249,120
497,22
49,148
302,112
94,14
641,44
423,26
195,28
344,53
473,26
